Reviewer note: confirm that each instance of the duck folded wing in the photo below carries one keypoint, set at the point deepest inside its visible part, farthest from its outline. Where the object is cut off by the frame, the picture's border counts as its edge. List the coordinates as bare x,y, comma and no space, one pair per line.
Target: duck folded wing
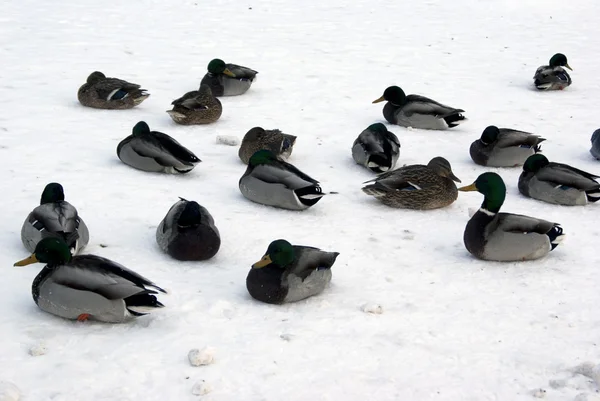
510,138
517,223
566,175
417,104
108,88
190,100
241,71
309,259
164,149
283,173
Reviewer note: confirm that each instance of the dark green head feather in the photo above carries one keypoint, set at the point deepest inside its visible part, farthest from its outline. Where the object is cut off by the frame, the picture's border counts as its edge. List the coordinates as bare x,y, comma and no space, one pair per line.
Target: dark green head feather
558,60
216,66
140,128
190,216
490,134
53,192
262,156
535,163
377,127
52,251
492,187
281,253
394,95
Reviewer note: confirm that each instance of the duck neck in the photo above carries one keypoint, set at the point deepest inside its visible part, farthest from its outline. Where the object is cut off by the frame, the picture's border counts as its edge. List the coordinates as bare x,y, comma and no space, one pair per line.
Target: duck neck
493,201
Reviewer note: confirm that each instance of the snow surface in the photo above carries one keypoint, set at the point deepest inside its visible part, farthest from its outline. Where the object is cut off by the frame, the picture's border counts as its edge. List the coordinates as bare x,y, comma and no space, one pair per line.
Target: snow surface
454,328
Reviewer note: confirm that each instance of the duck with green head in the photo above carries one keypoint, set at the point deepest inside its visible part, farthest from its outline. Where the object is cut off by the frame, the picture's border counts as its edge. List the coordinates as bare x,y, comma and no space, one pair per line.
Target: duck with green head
227,79
557,183
188,232
196,107
417,186
271,181
504,147
101,92
418,111
258,138
154,151
55,218
86,287
506,237
290,273
553,76
376,148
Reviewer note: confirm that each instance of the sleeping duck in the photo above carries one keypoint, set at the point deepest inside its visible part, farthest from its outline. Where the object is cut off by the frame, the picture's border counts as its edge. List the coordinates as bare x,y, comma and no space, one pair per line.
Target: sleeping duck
188,232
55,218
274,140
86,287
274,182
101,92
553,76
376,148
418,111
290,273
595,149
557,183
228,79
155,152
505,237
196,107
417,186
504,147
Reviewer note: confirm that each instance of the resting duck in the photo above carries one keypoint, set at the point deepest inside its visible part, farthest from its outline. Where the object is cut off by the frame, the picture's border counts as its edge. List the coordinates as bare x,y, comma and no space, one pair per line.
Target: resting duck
557,183
101,92
228,79
417,186
154,151
86,287
196,107
290,273
55,218
595,149
505,237
553,76
504,147
274,140
418,111
376,148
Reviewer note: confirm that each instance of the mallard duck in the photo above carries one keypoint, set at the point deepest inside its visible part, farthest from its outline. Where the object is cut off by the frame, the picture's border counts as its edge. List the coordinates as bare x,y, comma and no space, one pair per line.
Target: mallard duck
418,111
55,217
274,140
595,149
557,183
188,232
416,187
553,76
196,107
101,92
86,287
228,79
376,148
506,237
290,273
155,152
274,182
504,147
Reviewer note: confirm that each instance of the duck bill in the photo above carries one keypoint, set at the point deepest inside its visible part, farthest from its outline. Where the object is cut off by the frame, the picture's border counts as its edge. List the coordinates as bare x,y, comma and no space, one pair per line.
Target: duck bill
468,188
228,73
27,261
453,177
265,261
569,67
381,99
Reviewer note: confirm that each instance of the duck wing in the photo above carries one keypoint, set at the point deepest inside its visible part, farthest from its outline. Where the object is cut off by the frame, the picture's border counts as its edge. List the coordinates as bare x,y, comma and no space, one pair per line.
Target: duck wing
416,104
563,174
241,71
510,138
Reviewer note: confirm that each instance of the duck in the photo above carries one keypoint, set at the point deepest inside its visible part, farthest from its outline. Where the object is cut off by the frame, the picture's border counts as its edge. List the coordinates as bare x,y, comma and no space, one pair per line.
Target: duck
55,217
88,287
290,273
258,138
553,76
196,107
274,182
557,183
504,147
376,148
100,92
417,186
154,151
227,79
595,149
188,232
417,111
506,237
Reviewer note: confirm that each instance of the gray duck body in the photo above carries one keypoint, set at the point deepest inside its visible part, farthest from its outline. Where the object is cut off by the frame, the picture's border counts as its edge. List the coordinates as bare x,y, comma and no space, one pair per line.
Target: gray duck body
101,92
308,275
423,113
188,232
223,85
551,78
274,140
376,148
509,148
155,151
595,149
196,107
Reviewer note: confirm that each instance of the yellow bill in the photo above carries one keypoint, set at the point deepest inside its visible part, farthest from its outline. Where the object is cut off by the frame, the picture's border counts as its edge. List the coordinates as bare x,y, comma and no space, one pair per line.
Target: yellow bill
228,73
27,261
567,65
381,99
265,261
468,188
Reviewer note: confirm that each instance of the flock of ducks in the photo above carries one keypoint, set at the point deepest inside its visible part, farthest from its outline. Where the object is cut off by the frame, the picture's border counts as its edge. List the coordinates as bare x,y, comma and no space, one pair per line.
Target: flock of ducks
82,287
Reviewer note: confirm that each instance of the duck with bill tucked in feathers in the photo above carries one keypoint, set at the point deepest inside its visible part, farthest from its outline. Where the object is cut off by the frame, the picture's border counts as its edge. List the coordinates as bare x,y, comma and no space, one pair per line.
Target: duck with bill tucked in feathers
101,92
274,140
376,148
196,107
504,147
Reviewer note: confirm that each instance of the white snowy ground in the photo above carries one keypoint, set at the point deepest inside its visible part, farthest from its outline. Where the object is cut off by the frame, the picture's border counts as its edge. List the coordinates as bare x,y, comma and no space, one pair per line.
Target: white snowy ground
453,328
